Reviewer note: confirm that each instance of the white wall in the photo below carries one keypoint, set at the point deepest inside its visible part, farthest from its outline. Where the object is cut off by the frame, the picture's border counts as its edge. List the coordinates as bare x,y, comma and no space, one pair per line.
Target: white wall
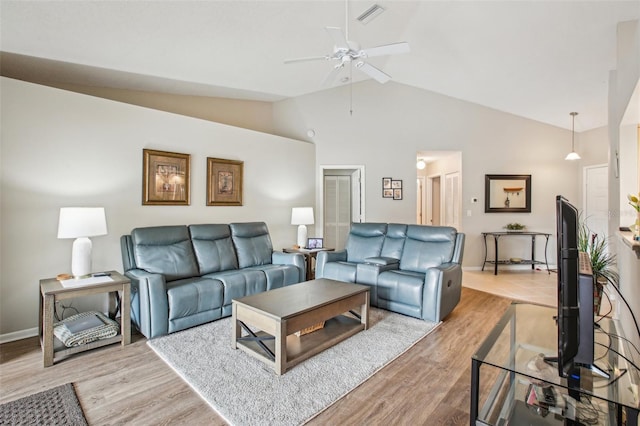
391,122
65,149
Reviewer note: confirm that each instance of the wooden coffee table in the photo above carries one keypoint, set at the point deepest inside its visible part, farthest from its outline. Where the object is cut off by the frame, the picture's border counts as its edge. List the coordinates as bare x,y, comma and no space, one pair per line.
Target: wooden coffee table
279,313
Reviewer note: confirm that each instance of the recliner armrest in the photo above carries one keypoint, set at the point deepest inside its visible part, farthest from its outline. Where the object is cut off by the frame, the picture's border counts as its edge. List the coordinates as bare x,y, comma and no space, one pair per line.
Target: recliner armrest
295,259
441,291
382,261
149,302
324,257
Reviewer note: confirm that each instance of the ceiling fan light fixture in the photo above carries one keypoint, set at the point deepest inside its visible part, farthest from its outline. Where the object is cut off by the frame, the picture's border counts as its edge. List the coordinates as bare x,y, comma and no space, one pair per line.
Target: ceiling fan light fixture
370,14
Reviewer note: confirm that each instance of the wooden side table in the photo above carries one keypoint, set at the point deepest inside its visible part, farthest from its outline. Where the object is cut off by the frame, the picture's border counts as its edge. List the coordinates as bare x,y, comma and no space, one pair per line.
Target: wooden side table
309,256
51,290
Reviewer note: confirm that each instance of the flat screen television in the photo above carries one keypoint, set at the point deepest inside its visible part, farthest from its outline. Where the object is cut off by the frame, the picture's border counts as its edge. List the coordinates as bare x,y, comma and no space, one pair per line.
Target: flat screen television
568,285
575,317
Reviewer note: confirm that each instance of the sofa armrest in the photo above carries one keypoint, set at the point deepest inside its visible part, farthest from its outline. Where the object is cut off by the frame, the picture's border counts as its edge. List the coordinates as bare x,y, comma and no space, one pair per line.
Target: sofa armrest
149,302
324,257
295,259
441,291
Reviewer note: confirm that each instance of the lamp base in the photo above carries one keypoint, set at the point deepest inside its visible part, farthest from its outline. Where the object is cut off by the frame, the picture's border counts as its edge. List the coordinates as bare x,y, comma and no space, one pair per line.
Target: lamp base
302,236
81,258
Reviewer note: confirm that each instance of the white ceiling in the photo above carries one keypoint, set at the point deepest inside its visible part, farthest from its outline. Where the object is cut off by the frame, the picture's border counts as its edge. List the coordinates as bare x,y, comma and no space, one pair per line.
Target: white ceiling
536,59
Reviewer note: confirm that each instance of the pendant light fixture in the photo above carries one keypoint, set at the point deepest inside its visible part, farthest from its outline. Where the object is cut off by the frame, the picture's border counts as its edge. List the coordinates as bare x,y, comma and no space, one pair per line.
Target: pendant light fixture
573,155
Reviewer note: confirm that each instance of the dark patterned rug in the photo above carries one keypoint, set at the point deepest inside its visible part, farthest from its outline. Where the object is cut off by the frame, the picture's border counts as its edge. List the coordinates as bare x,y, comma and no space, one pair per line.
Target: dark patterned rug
56,406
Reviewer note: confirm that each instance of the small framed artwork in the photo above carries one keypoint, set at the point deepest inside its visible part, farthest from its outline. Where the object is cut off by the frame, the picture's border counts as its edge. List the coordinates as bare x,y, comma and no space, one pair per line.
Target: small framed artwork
386,188
224,182
397,194
314,243
165,178
396,184
507,194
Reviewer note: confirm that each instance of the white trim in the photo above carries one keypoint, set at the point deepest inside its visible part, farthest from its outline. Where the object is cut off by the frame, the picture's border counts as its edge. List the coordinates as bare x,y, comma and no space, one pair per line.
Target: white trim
18,335
584,182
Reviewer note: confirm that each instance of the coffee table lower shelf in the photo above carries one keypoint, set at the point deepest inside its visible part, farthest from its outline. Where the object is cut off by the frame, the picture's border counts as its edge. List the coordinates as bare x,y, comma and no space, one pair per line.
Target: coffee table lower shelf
303,347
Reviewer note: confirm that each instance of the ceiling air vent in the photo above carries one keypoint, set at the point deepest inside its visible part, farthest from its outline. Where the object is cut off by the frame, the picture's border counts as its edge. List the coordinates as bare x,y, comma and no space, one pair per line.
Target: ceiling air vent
369,14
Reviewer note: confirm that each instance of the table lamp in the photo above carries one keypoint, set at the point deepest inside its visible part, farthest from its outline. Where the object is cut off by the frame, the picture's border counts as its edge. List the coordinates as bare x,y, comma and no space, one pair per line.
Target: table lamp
81,223
302,216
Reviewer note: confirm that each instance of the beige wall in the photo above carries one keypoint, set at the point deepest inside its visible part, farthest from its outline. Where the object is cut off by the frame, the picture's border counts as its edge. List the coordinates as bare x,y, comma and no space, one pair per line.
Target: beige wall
253,115
392,122
65,149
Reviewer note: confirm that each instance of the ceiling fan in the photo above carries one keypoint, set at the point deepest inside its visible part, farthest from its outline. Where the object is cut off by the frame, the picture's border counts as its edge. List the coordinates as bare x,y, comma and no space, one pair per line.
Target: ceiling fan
346,52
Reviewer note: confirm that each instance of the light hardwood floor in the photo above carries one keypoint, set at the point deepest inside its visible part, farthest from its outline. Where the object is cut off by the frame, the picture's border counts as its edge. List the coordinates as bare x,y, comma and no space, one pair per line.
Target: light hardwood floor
429,384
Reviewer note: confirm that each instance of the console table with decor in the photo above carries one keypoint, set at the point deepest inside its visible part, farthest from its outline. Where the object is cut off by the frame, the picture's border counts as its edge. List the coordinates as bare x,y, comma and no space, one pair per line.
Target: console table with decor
52,291
497,261
509,374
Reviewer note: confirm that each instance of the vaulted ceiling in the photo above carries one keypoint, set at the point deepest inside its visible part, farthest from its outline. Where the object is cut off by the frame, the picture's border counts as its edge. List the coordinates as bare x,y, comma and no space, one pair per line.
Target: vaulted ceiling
536,59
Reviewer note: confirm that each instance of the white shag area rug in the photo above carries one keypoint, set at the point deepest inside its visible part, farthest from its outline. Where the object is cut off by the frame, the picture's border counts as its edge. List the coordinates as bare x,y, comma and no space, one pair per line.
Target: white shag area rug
245,391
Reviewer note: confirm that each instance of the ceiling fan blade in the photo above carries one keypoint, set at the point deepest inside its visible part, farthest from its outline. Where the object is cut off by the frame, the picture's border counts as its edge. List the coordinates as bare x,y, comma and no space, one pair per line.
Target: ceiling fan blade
373,72
331,77
306,59
387,49
338,37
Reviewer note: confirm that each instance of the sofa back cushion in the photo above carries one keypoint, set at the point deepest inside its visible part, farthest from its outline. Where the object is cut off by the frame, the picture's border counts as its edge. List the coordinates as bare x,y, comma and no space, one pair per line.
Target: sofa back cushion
213,248
252,242
394,241
427,246
365,240
165,250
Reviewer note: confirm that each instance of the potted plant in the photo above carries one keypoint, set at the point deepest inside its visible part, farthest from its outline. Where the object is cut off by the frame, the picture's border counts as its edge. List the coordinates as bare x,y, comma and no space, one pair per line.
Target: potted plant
515,227
603,263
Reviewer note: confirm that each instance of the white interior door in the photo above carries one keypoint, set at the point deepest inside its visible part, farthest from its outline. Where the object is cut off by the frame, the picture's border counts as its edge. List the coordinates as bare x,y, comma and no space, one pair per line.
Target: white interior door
420,204
435,212
337,210
452,200
596,199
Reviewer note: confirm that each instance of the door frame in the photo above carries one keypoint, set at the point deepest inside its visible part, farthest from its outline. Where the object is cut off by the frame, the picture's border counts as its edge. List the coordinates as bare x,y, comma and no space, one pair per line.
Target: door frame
355,188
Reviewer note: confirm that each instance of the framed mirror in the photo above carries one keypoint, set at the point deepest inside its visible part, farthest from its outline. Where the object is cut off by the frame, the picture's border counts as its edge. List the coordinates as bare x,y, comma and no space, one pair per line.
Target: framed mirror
507,194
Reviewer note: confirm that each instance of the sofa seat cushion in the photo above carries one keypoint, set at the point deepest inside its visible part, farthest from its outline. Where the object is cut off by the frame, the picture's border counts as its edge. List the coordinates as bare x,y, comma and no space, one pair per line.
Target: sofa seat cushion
340,271
278,275
401,291
193,301
239,284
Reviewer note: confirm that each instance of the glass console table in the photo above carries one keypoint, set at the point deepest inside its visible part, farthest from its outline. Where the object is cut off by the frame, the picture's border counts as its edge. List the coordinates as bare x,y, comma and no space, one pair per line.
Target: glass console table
497,261
507,371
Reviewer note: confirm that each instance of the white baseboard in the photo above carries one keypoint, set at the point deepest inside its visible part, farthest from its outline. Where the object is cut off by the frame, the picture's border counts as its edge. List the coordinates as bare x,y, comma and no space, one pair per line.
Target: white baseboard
18,335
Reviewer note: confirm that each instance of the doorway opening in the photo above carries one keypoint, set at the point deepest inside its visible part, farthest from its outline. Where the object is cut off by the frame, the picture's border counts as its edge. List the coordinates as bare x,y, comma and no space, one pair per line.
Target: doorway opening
439,200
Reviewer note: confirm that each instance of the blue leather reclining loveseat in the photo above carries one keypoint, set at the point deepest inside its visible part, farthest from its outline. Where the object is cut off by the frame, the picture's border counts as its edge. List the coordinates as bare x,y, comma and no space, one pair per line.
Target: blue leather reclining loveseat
182,276
414,270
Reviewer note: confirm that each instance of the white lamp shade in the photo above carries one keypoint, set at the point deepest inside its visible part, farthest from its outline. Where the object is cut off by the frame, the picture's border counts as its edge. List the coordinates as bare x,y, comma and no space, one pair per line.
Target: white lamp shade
81,223
302,216
77,222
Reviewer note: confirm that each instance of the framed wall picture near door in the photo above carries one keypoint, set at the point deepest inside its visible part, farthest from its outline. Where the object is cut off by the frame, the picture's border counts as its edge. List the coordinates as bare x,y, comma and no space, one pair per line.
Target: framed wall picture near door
507,194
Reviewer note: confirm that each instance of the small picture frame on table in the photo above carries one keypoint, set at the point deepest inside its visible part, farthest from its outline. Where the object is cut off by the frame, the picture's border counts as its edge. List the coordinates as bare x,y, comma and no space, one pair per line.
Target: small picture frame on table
314,243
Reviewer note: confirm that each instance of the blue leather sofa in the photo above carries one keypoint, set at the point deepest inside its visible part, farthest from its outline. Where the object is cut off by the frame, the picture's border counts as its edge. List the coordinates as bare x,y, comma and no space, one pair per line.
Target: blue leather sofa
414,270
183,276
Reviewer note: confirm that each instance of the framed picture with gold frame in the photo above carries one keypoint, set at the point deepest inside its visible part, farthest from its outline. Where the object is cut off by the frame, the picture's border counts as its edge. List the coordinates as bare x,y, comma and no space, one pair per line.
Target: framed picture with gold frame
224,182
165,178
